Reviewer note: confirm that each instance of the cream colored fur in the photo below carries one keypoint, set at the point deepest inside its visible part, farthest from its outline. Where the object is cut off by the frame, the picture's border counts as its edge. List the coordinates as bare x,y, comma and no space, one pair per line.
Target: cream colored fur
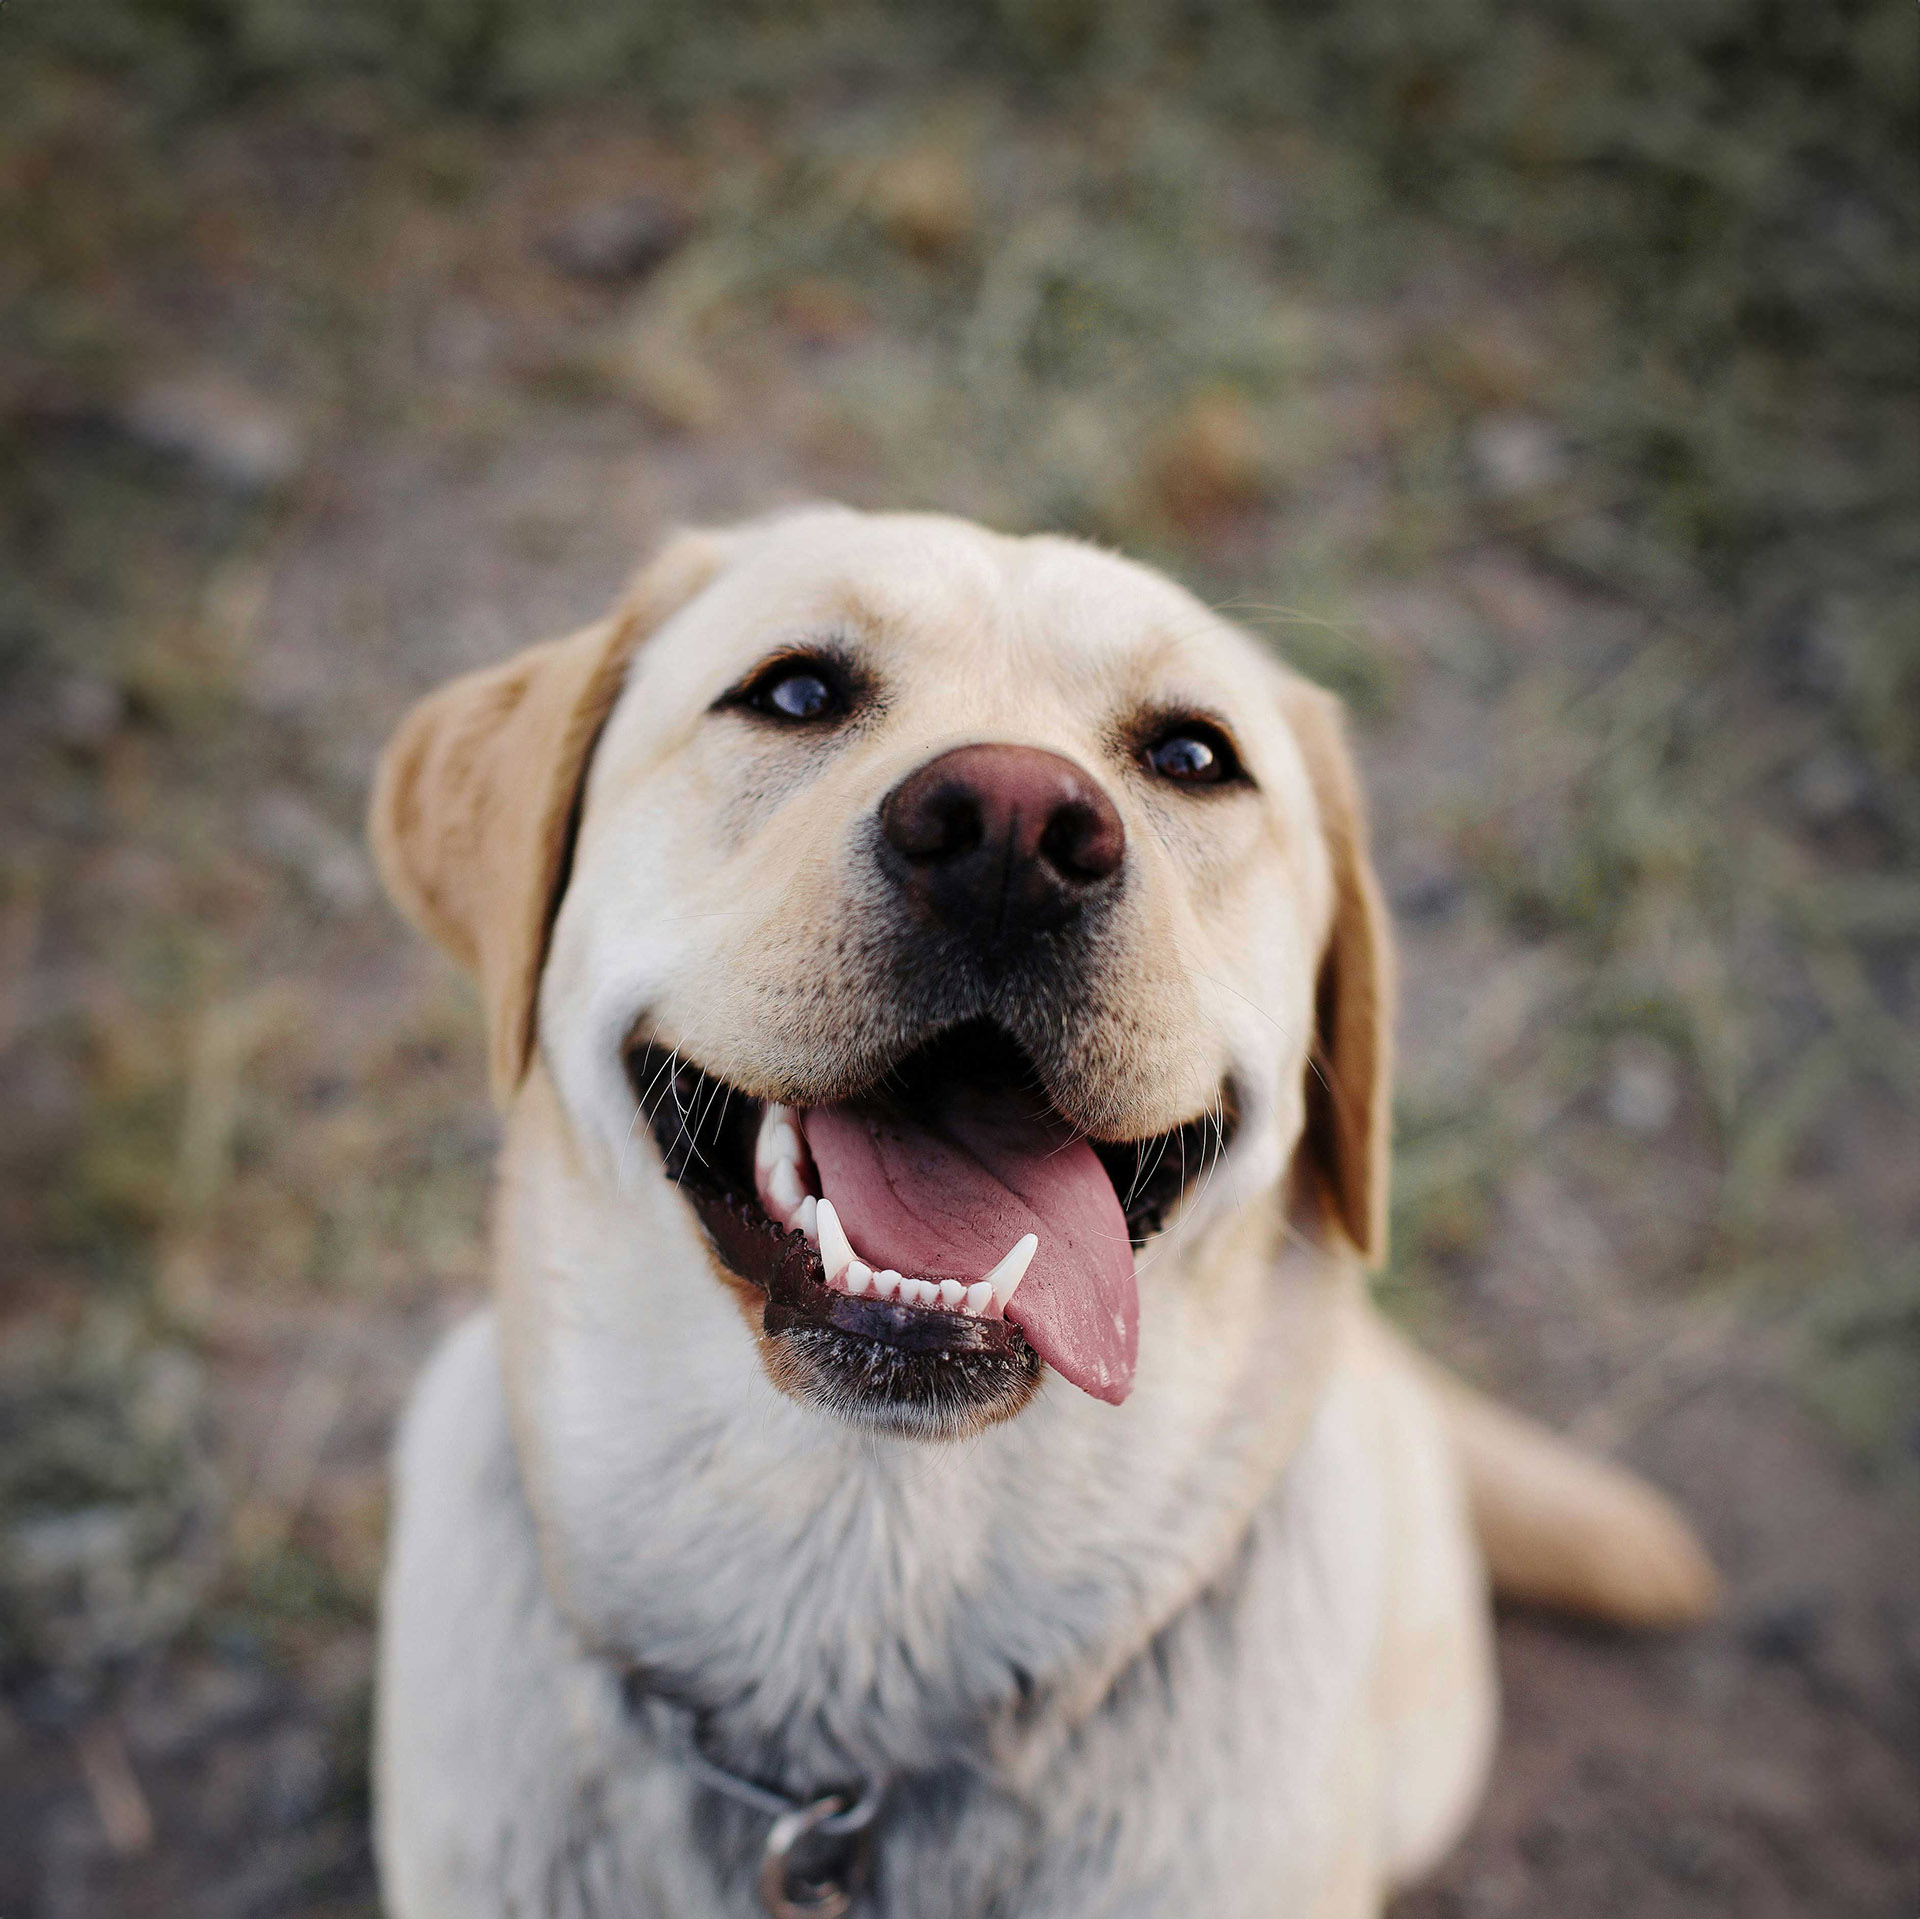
1221,1649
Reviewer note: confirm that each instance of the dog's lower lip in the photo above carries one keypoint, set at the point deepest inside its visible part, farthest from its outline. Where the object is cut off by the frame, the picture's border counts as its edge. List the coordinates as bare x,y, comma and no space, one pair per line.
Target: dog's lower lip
889,1368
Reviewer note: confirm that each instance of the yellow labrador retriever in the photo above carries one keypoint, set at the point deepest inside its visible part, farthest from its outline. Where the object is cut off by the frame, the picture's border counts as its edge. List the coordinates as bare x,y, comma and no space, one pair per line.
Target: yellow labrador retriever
931,1453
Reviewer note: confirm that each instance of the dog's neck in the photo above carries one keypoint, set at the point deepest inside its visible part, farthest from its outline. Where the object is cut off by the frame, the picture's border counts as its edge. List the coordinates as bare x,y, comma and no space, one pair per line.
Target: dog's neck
838,1600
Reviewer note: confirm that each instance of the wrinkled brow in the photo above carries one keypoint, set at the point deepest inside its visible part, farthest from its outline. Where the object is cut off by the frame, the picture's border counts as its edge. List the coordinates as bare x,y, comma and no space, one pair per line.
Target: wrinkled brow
1159,654
857,613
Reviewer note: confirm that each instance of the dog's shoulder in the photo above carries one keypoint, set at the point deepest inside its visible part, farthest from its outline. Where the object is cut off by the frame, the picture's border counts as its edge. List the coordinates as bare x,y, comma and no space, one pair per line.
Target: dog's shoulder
456,1419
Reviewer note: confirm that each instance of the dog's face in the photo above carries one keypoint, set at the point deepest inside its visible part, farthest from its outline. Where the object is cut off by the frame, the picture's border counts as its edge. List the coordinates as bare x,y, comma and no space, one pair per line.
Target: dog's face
958,914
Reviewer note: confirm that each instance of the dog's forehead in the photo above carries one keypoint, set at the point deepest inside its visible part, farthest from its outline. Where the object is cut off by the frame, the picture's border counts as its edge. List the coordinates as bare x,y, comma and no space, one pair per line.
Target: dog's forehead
923,597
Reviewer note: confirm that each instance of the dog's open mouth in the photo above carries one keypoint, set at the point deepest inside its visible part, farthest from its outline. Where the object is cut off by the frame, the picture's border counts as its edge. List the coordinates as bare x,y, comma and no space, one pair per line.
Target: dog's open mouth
948,1221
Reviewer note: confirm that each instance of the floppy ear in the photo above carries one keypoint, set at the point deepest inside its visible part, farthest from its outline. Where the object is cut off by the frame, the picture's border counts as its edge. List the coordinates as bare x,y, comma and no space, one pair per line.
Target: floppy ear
1349,1103
477,797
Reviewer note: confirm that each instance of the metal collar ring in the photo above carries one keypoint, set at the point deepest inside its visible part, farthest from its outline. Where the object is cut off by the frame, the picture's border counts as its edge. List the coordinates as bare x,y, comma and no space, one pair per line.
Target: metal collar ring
790,1888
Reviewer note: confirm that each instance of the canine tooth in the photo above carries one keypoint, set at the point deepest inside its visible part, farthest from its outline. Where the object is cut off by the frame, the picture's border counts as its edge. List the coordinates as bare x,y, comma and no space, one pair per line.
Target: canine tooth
836,1250
1006,1277
979,1297
805,1218
951,1293
785,1142
784,1184
886,1283
858,1276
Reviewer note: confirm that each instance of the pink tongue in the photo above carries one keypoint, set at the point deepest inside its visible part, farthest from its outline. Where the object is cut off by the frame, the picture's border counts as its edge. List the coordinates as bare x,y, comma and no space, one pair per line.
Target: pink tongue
948,1198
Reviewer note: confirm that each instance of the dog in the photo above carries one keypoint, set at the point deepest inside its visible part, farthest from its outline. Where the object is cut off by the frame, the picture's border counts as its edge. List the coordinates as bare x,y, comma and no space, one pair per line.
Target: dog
930,1452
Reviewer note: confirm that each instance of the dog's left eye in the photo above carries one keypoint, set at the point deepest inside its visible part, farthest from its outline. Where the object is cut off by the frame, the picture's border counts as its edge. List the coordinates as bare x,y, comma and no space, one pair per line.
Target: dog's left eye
1192,753
798,696
796,690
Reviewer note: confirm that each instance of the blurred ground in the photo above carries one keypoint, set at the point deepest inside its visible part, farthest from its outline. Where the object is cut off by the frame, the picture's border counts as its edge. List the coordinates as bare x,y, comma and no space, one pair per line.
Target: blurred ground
1544,384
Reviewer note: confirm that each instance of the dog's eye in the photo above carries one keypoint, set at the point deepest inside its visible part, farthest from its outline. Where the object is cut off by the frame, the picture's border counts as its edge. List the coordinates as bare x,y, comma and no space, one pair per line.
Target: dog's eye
797,696
1192,753
796,690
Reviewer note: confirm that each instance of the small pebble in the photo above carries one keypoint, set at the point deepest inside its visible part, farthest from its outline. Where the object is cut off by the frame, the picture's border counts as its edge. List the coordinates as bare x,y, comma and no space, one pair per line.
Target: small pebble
612,240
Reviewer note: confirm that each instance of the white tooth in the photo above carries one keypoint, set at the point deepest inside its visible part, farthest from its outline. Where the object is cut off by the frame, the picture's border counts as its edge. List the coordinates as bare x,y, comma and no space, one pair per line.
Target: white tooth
1006,1277
886,1283
836,1250
784,1184
786,1143
858,1277
951,1293
979,1297
910,1290
764,1152
805,1217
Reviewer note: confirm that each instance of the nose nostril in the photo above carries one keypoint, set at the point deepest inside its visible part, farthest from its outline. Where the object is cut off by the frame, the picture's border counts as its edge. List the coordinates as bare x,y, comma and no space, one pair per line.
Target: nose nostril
1078,845
960,826
931,826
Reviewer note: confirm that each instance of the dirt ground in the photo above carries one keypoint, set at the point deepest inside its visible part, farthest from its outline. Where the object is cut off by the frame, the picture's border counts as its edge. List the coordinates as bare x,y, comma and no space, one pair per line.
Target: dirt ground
365,405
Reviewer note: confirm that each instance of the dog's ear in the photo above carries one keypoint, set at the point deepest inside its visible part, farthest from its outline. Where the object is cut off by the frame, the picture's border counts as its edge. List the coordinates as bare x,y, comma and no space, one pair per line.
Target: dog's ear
477,797
1349,1092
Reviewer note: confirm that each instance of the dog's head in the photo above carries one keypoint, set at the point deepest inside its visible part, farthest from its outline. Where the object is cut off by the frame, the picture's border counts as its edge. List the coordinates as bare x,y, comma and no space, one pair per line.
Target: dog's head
958,913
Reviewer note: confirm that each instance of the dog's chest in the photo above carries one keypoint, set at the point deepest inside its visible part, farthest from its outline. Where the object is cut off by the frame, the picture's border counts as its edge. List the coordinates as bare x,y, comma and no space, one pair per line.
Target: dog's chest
1209,1779
1216,1773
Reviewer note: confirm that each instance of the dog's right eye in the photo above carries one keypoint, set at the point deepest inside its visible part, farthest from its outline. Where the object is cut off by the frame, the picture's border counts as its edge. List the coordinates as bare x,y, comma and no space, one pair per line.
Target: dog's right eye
796,691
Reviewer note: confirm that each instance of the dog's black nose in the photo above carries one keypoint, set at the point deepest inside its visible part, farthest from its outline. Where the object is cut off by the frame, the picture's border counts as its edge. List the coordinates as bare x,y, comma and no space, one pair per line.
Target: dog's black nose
1001,842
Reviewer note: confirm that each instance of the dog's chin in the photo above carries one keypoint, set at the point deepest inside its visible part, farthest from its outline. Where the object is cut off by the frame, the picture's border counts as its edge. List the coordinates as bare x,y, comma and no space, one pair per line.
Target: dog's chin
904,1365
882,1388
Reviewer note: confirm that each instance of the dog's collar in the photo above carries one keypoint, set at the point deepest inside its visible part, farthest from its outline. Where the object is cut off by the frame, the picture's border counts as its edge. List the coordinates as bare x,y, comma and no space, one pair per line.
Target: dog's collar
817,1850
